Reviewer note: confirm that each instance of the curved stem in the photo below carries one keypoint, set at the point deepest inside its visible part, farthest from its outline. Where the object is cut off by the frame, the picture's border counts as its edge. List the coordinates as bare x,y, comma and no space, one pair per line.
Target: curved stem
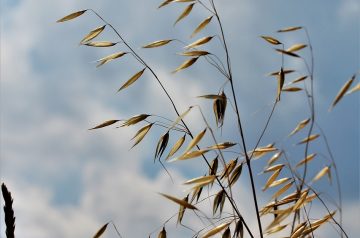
313,120
312,108
265,127
336,171
116,229
206,7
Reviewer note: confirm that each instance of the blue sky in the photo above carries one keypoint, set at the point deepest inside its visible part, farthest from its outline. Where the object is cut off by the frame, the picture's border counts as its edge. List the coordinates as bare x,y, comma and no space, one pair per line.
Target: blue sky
61,174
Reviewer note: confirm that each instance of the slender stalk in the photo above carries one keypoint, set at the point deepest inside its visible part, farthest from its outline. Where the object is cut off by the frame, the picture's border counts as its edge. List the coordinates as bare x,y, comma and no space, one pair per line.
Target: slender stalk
116,229
336,172
323,134
265,127
239,121
310,96
271,113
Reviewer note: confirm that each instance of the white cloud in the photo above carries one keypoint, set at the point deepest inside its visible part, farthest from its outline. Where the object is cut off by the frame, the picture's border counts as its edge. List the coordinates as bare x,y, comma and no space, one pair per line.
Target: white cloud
114,194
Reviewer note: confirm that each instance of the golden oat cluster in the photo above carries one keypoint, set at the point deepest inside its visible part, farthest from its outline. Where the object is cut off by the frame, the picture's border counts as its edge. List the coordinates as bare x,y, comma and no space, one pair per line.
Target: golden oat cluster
289,187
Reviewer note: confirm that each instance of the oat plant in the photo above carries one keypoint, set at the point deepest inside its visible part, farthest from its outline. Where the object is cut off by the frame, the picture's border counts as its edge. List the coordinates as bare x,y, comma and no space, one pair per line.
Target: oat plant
9,216
288,212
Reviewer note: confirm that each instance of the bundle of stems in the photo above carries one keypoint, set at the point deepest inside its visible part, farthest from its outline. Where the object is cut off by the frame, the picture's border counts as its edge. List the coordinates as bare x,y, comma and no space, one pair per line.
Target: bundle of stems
289,214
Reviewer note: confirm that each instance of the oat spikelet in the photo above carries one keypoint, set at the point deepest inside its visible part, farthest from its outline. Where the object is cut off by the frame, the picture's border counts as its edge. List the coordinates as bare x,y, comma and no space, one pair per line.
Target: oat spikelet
219,108
162,233
342,92
296,47
271,40
71,16
181,202
216,230
300,126
185,13
201,26
101,231
157,43
92,34
281,80
9,212
104,124
100,43
292,28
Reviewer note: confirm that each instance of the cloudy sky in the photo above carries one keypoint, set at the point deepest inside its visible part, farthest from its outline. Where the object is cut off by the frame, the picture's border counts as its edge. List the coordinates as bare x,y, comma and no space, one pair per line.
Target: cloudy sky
68,181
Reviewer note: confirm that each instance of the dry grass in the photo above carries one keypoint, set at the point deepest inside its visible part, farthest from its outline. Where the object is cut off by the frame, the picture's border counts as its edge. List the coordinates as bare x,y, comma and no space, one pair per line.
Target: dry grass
9,212
293,192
